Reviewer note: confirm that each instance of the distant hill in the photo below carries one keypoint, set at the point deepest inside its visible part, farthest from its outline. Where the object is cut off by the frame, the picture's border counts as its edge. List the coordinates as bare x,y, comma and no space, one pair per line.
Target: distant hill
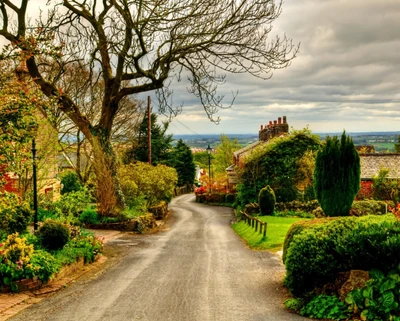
382,141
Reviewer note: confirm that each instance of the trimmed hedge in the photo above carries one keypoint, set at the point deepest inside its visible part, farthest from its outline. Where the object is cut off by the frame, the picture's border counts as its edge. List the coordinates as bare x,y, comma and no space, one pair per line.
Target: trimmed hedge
367,207
297,206
316,253
297,228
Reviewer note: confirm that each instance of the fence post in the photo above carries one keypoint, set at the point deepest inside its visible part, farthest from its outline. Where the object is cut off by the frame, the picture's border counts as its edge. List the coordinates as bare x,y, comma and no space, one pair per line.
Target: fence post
256,226
265,229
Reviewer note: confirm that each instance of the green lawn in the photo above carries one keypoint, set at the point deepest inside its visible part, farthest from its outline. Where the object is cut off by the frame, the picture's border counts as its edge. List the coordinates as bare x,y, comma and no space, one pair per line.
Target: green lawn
276,232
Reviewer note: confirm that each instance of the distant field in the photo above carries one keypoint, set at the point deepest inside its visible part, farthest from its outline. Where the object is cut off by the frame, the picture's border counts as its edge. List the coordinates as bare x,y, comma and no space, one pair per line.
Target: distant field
384,146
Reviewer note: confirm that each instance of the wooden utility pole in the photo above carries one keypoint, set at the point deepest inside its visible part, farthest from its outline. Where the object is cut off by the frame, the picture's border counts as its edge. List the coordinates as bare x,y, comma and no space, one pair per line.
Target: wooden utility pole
149,130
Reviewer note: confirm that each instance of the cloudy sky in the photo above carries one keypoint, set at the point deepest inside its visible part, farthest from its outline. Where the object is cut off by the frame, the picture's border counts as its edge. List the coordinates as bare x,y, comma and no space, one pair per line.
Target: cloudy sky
346,75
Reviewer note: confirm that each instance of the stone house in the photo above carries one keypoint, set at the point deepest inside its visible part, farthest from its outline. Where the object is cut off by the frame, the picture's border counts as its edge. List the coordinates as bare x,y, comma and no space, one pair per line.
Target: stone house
276,128
372,163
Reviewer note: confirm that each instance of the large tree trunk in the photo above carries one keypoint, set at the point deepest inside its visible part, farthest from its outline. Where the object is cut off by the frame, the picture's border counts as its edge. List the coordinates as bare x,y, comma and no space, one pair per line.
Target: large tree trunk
109,194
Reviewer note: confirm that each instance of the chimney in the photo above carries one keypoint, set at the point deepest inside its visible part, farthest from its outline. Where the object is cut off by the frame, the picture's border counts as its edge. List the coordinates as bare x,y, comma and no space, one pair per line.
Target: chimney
261,127
284,119
279,120
275,122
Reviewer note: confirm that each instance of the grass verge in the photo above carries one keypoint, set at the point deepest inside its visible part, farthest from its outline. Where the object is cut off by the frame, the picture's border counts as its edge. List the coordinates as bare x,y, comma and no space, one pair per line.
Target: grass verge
276,231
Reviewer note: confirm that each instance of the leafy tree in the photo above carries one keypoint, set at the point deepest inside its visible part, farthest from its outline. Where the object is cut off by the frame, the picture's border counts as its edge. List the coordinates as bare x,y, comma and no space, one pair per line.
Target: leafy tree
337,175
152,183
275,164
201,159
135,47
161,143
182,161
224,153
70,182
17,123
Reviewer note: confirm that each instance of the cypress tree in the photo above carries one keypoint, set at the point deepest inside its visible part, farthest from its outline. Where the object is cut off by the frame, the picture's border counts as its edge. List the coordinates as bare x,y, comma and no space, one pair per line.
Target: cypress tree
337,175
182,161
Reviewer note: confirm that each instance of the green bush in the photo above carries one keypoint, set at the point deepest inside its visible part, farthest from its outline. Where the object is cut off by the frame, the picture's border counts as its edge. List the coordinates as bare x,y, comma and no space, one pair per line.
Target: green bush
70,182
266,200
293,214
371,245
316,253
44,214
53,235
369,207
297,228
44,265
73,203
297,206
294,304
326,307
230,198
89,216
14,214
85,245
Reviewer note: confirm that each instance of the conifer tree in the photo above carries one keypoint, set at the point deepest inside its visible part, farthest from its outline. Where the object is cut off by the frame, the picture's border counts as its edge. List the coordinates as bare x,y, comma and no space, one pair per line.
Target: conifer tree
161,143
337,175
182,161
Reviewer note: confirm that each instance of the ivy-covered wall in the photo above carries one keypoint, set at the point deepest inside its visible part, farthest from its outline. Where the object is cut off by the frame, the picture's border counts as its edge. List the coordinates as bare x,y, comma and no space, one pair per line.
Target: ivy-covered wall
280,164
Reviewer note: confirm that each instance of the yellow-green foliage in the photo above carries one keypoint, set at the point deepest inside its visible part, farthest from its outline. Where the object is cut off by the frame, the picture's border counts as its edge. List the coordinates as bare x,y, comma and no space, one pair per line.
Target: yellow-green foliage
14,214
16,250
154,183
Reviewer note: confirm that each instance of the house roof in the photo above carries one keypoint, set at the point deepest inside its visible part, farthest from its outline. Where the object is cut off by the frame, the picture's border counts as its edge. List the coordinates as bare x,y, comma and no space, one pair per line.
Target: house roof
248,148
372,163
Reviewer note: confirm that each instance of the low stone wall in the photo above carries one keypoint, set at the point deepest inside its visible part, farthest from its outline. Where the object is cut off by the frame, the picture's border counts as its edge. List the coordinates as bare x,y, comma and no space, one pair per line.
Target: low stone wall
159,211
138,224
181,190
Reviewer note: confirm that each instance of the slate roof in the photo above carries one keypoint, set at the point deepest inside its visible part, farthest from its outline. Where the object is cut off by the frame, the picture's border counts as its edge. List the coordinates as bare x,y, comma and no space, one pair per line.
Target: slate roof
372,163
248,148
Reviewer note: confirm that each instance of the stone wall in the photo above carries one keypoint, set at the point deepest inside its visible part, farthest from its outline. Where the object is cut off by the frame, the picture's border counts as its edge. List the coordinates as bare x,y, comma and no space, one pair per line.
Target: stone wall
138,224
159,211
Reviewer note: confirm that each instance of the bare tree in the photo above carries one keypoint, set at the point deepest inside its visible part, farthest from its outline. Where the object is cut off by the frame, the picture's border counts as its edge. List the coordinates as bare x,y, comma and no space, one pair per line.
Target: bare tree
137,46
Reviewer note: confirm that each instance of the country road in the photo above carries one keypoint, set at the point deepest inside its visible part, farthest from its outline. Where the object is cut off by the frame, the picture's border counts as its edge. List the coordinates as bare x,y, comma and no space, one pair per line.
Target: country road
197,270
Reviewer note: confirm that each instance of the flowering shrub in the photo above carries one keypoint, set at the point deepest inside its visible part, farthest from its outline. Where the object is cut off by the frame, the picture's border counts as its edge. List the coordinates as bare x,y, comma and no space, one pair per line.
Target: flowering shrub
15,256
366,190
19,260
200,190
395,211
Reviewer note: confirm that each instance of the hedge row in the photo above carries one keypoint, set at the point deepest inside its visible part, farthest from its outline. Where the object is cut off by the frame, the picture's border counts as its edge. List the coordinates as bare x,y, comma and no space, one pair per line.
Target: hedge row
316,251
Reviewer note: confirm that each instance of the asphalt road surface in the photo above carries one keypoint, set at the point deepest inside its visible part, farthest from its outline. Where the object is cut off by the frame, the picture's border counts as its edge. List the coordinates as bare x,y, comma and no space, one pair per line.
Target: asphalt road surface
196,270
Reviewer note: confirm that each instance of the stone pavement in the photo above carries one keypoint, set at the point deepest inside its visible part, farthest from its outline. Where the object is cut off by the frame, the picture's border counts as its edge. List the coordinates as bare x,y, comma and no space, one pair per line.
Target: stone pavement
12,303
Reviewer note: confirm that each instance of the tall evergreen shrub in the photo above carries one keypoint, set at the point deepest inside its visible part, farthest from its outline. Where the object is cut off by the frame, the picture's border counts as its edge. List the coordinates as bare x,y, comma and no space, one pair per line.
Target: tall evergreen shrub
337,175
266,200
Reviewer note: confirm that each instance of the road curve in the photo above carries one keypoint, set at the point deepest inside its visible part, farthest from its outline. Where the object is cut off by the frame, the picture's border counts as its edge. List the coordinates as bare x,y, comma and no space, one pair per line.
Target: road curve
198,270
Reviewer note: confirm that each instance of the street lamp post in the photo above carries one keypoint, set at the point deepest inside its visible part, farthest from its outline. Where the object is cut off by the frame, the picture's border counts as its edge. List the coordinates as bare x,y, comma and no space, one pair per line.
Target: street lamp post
209,149
34,178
